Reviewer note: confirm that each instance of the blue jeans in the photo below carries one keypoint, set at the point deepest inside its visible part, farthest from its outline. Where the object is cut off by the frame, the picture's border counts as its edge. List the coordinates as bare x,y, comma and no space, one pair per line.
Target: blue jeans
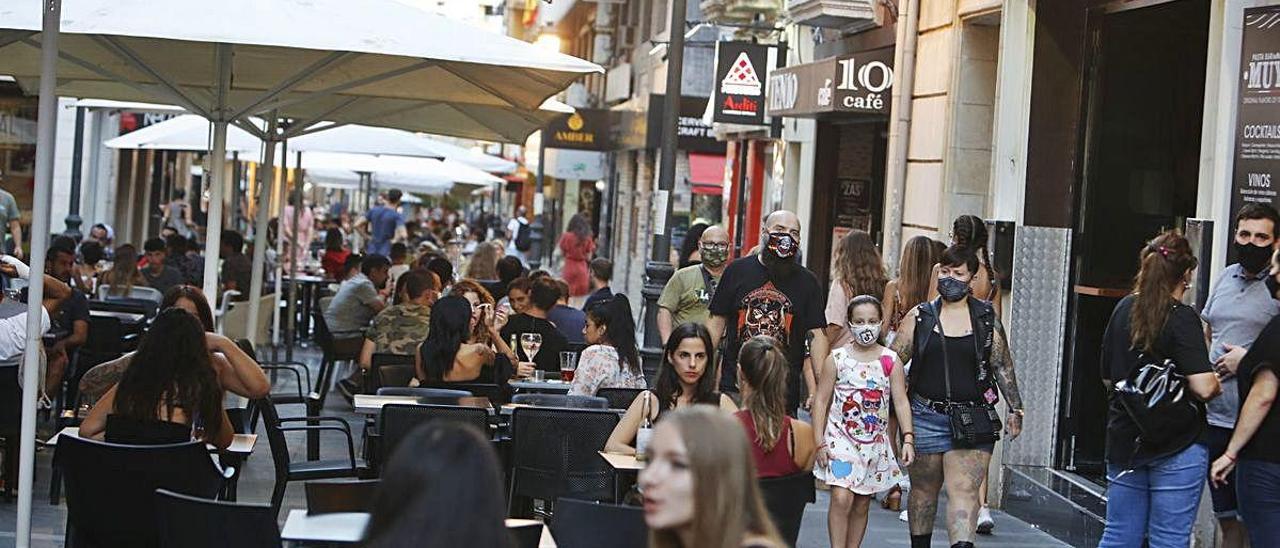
1258,491
1157,501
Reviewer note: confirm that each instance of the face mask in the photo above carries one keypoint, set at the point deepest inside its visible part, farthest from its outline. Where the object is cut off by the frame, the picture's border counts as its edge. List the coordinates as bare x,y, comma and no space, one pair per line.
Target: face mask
783,245
1253,259
865,335
714,255
952,289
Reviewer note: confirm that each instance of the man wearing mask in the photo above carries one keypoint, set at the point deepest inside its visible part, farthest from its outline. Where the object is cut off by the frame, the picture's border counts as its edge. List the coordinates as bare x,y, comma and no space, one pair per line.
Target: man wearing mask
1239,306
771,294
687,296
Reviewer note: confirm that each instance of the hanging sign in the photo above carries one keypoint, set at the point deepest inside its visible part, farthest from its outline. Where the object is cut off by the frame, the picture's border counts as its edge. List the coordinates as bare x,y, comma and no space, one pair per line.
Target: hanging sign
854,83
741,70
1257,163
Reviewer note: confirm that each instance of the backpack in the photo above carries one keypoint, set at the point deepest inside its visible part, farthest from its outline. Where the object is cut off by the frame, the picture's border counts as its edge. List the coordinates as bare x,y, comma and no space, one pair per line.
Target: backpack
524,237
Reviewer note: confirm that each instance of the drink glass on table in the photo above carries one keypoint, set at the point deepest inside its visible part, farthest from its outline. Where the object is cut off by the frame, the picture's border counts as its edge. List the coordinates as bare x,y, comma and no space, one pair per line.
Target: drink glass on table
568,364
531,343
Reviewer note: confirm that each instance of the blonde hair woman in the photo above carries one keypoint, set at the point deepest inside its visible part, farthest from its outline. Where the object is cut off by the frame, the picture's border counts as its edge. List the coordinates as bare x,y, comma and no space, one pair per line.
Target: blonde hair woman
700,485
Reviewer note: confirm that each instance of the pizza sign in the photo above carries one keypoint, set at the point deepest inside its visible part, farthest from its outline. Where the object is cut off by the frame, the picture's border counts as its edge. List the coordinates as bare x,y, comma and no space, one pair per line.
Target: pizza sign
741,69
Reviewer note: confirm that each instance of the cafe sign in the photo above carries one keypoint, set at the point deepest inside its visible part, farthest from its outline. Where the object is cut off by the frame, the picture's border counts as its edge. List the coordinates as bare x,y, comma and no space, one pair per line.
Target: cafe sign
585,129
851,83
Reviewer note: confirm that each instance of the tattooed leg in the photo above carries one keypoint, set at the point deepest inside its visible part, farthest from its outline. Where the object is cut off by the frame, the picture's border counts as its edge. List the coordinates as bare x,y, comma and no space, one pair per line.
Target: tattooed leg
965,469
926,482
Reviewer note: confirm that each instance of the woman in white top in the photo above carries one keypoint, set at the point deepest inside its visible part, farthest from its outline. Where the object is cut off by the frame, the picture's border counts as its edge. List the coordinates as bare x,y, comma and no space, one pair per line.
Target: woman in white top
611,361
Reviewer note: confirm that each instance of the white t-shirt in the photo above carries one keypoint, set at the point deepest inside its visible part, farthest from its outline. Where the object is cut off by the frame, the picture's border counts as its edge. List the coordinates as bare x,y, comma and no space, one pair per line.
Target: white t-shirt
513,228
13,333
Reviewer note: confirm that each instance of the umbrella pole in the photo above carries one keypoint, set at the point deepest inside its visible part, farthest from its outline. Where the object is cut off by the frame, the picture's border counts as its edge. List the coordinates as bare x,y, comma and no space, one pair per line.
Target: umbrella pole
260,229
280,198
213,229
45,127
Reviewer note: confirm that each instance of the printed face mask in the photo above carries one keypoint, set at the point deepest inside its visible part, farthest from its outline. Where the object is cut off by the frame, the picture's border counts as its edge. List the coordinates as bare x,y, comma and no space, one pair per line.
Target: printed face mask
865,335
714,255
951,289
783,244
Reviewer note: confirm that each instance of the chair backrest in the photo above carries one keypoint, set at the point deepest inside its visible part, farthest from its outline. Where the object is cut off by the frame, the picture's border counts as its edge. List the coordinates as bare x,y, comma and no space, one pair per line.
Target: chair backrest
619,398
324,338
111,498
275,437
389,370
561,400
104,336
582,523
141,292
497,396
194,522
397,420
554,453
128,430
10,401
422,392
785,497
340,495
235,322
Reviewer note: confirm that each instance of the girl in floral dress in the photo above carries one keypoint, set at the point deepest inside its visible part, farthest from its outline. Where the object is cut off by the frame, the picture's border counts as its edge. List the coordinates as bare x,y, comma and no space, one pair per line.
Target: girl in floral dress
855,455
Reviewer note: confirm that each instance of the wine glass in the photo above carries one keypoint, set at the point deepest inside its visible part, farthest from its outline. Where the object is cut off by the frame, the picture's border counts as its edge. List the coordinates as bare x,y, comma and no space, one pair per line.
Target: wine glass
531,343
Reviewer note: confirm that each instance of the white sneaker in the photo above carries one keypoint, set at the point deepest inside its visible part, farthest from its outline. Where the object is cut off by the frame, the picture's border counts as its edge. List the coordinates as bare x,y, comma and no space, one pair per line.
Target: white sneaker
903,516
985,523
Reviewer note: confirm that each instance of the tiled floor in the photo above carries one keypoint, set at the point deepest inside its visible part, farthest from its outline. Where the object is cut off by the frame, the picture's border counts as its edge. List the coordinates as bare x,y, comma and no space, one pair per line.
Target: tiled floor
258,479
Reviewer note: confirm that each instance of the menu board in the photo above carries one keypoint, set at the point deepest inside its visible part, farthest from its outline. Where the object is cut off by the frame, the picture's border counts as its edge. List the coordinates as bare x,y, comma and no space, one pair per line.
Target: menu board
1257,153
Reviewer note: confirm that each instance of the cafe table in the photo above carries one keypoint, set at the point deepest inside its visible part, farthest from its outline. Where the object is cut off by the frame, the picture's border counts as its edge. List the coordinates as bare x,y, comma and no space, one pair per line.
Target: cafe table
369,404
127,318
309,299
348,528
624,466
549,386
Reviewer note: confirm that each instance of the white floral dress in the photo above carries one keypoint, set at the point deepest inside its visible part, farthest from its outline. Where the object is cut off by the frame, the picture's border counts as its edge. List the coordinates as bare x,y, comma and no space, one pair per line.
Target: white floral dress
859,456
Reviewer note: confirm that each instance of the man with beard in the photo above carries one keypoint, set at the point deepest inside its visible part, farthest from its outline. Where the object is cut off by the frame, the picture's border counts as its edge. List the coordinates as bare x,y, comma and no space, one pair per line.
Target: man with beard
771,294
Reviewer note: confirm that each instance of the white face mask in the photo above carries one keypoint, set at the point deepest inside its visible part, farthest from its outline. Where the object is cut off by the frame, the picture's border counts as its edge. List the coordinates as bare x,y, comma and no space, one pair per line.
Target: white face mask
865,335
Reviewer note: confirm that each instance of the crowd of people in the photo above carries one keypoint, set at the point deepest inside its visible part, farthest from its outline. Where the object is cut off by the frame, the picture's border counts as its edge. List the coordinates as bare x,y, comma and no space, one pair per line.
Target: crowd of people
902,378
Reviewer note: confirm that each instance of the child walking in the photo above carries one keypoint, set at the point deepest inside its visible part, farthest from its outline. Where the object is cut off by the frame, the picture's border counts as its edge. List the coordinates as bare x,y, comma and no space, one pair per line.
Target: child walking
850,423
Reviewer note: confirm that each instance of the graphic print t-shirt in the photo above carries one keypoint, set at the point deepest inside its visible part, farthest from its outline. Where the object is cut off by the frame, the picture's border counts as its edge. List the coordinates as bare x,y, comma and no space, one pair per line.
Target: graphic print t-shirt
755,305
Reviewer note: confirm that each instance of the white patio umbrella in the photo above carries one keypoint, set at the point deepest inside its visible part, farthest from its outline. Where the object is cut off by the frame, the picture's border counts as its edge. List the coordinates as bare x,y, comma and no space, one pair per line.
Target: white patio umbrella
307,60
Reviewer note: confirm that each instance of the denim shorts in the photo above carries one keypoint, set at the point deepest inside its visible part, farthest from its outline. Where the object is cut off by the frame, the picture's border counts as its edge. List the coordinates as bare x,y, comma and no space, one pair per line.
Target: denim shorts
933,431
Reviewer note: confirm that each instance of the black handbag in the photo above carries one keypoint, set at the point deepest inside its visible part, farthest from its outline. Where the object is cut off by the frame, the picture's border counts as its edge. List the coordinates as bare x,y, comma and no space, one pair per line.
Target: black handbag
972,423
1155,396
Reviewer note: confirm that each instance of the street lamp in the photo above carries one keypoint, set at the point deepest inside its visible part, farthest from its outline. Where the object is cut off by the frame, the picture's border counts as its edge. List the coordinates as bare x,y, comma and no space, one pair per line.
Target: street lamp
659,268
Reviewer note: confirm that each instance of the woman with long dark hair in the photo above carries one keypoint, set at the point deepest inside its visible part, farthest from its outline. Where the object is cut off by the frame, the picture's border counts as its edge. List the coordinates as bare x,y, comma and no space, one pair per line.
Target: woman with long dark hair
856,270
700,488
577,244
448,354
959,358
611,361
683,380
444,489
335,255
1155,486
172,381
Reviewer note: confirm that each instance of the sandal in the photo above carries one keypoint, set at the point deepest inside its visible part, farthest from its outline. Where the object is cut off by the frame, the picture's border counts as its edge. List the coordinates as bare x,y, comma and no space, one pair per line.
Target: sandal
893,500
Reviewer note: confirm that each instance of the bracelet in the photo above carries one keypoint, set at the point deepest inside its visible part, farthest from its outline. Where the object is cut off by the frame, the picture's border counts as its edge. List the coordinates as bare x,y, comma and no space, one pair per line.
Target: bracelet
1017,412
905,434
1229,457
911,443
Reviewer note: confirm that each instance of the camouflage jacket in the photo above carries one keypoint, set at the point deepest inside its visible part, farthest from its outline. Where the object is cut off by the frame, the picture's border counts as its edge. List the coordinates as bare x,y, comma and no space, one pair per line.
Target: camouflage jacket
399,329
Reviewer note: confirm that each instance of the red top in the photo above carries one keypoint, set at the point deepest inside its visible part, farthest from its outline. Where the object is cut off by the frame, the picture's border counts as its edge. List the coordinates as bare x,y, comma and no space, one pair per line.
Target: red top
776,462
333,261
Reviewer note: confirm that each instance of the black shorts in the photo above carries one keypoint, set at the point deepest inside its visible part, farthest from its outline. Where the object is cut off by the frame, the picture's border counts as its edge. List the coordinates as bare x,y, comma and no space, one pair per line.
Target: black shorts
1224,495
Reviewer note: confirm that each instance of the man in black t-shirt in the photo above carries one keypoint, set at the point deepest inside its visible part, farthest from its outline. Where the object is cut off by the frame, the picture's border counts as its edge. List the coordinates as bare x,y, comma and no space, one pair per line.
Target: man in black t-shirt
542,297
770,293
69,327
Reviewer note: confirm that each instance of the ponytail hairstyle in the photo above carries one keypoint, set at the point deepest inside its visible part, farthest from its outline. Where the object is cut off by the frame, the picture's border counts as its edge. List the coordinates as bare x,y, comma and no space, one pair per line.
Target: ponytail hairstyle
619,329
764,368
1163,264
971,231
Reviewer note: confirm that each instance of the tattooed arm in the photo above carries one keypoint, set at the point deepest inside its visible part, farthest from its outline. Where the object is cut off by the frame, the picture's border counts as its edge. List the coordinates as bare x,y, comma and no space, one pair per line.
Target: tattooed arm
903,341
1002,367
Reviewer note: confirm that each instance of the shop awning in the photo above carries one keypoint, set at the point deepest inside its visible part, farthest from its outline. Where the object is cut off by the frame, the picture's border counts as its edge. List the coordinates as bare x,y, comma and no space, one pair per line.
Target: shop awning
706,173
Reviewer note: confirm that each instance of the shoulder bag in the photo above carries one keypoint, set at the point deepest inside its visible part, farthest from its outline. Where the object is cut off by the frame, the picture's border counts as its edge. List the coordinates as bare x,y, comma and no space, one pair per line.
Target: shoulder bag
972,423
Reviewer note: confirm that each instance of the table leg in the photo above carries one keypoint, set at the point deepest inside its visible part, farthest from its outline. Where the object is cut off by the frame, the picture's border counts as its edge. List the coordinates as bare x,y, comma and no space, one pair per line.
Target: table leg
304,322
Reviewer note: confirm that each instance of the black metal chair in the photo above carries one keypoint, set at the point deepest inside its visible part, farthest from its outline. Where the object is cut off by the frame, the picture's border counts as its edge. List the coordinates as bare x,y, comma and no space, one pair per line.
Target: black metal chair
10,425
324,379
785,497
111,488
423,392
388,370
397,420
582,523
342,495
193,522
287,470
561,400
554,453
619,398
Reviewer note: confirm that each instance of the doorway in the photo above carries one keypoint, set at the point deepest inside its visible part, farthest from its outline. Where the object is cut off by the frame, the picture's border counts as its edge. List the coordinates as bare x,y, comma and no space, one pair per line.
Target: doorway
1144,86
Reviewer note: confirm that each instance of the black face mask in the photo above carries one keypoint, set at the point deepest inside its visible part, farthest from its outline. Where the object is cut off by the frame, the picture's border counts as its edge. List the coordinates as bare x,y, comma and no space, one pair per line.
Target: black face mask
1254,259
